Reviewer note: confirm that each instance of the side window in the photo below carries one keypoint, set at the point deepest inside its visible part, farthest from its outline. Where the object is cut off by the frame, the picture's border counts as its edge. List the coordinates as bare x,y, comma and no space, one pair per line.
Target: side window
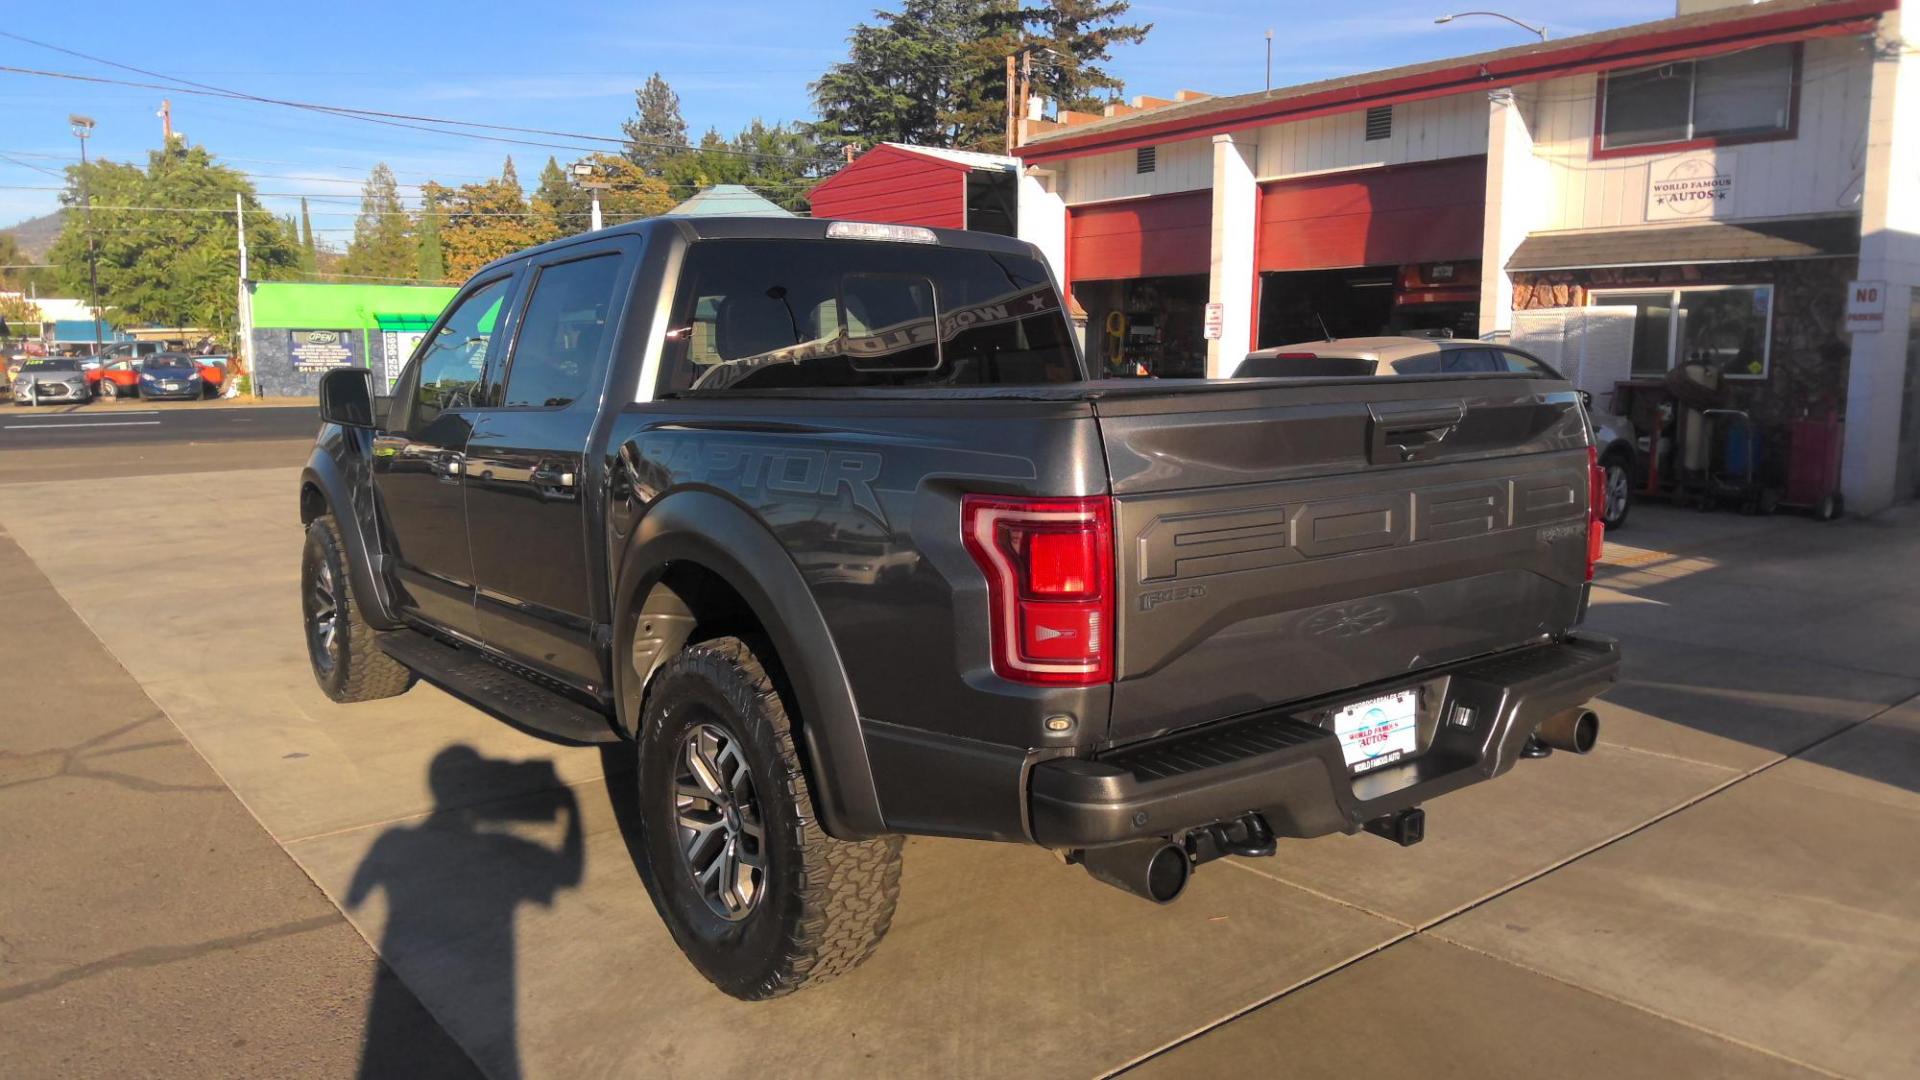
558,344
448,367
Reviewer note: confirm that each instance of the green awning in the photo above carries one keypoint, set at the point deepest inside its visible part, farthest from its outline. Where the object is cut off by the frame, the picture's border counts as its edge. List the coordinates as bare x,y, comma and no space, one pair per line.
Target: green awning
405,322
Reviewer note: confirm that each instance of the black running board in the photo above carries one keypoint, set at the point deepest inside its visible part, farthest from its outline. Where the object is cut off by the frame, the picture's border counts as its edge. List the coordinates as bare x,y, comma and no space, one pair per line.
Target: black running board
488,686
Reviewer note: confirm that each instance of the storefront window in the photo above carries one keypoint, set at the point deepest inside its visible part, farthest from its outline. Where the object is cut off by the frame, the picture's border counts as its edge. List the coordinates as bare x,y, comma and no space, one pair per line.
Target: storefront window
1740,95
1729,327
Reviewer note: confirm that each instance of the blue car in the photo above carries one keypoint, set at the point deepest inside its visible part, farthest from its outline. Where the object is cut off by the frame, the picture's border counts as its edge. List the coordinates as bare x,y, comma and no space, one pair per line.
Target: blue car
171,375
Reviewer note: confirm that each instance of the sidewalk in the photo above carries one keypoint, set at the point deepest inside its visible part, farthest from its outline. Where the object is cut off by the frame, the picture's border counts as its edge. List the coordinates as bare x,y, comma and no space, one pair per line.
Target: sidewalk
150,926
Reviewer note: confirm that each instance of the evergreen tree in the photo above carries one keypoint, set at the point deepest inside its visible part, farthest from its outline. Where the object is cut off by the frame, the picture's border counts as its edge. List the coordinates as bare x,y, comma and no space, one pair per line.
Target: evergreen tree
383,244
657,130
560,207
309,255
432,261
1078,34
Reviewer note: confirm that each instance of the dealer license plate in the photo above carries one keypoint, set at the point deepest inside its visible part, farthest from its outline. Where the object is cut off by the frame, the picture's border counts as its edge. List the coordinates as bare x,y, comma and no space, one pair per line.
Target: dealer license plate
1378,730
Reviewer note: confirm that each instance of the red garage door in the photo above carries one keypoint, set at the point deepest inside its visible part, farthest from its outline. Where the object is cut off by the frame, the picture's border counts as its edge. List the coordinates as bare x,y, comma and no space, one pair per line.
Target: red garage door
1404,214
1157,237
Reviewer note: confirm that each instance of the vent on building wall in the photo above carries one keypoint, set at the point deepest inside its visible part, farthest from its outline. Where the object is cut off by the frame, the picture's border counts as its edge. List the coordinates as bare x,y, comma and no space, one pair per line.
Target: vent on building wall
1144,159
1379,122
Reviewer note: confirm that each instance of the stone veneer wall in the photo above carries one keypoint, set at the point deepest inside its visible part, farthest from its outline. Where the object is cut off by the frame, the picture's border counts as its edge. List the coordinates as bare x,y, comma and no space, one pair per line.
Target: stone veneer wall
1807,364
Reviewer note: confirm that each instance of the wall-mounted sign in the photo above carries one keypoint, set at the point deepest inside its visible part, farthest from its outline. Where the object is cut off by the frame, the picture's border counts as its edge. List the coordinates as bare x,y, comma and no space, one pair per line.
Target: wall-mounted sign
318,350
1866,306
1689,188
1216,322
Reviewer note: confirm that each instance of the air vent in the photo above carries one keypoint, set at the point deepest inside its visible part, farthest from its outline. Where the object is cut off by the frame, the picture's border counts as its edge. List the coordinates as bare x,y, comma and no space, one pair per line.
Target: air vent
1379,122
1145,158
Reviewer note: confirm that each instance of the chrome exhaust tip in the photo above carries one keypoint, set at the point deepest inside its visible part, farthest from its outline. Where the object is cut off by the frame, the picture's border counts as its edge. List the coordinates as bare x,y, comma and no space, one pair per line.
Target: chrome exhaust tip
1155,870
1576,730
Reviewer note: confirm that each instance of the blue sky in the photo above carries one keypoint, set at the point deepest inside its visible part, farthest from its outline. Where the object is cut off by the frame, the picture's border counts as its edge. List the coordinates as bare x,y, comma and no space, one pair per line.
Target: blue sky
573,67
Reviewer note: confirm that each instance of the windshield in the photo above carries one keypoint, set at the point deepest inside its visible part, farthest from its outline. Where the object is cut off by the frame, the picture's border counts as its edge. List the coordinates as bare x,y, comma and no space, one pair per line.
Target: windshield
169,364
52,363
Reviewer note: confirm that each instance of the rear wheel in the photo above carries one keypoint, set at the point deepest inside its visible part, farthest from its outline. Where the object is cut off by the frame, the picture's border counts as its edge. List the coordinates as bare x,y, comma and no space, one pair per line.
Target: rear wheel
347,661
758,896
109,389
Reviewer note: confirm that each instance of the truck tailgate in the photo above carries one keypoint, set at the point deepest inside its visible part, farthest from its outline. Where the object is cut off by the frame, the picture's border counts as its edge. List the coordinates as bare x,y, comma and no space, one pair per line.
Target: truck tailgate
1288,539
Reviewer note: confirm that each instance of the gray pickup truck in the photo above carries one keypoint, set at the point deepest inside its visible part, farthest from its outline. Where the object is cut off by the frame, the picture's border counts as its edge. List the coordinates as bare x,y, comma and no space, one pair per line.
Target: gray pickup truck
828,521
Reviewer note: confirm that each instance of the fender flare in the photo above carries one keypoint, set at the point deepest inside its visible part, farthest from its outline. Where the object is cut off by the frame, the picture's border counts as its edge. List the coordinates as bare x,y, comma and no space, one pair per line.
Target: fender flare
725,539
323,472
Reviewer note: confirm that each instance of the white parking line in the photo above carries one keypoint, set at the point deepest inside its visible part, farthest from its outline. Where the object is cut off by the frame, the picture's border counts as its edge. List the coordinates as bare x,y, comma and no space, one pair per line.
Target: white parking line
83,416
95,423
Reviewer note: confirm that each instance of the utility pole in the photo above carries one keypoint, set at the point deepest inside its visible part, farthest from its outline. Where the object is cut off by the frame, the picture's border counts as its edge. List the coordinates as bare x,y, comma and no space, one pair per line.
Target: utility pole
166,123
1013,98
82,130
1269,59
245,308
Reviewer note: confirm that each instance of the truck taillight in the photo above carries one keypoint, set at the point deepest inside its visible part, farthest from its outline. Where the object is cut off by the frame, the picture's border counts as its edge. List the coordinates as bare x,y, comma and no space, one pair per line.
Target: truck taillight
1049,569
1596,508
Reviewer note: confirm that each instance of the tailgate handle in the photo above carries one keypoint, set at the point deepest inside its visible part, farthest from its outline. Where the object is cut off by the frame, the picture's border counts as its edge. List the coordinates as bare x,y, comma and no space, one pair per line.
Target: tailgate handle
1403,436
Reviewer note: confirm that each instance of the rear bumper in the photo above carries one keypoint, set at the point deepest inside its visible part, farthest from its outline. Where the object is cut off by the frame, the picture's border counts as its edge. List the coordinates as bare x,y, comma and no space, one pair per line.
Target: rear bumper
1286,766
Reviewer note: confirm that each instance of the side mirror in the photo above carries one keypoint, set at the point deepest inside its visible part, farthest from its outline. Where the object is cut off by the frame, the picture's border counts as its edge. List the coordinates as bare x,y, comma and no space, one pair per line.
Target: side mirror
1586,398
346,397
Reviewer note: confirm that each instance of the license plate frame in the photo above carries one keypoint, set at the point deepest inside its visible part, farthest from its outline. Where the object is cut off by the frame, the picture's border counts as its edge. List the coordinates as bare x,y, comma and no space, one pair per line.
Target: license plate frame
1379,730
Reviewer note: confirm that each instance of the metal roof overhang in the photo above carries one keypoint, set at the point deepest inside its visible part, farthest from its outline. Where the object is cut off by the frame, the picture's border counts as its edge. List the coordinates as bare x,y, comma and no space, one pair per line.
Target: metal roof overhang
1832,236
1677,39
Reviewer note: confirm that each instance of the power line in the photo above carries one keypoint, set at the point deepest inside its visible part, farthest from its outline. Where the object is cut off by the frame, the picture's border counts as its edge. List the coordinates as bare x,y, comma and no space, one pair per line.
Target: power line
392,119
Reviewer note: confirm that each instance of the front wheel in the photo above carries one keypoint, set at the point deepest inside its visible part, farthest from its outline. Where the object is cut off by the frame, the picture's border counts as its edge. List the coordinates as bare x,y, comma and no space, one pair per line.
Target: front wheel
347,662
109,389
758,896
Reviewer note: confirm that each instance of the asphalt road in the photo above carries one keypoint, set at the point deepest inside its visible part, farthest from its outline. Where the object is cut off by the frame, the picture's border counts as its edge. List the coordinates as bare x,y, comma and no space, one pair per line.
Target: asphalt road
99,424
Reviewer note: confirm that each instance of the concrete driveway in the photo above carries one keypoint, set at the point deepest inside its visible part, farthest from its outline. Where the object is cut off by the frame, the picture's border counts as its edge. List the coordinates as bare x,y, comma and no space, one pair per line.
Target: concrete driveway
1727,886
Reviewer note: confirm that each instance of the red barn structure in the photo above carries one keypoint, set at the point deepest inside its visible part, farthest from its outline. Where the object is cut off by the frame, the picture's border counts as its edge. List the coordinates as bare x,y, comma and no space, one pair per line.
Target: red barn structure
898,184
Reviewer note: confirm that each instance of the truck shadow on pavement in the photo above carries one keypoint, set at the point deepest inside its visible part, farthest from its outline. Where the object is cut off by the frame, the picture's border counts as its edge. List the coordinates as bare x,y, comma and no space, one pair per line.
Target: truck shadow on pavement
464,925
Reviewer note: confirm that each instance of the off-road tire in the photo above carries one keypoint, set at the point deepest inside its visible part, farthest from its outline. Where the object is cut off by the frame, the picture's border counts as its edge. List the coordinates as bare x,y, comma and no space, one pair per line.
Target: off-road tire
356,670
824,904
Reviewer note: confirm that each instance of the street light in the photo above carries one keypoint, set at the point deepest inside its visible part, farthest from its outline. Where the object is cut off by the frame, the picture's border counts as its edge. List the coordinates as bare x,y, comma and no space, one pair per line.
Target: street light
586,174
1528,27
83,130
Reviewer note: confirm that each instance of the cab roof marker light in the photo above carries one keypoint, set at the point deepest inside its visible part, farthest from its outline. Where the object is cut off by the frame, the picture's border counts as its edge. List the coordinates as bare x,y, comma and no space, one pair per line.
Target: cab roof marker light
867,230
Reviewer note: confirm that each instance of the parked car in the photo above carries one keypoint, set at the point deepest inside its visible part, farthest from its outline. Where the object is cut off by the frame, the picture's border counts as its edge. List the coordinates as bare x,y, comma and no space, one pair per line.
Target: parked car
115,379
829,521
1425,356
46,380
171,375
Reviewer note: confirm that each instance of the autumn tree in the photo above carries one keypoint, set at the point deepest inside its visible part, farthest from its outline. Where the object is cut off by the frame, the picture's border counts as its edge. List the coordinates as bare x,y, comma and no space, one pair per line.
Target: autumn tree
483,221
165,239
382,244
657,130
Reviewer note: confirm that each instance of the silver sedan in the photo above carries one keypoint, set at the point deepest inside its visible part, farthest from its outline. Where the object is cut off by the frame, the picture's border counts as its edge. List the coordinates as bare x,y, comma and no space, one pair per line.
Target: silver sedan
51,380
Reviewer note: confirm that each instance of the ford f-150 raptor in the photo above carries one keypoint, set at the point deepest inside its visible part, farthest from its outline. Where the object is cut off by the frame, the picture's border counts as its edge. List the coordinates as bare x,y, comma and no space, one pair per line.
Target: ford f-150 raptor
828,521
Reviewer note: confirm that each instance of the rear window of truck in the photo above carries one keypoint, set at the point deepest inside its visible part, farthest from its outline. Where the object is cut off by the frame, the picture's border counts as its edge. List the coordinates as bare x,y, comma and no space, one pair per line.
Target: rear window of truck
786,315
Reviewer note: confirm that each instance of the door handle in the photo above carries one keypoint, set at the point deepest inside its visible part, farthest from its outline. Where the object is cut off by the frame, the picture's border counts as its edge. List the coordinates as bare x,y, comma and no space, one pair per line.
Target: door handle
551,481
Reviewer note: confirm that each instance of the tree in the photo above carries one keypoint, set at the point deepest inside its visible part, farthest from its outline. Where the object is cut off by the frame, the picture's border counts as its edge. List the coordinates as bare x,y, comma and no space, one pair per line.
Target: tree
15,274
482,221
1078,33
20,315
382,245
431,260
309,255
657,130
934,72
780,161
170,257
561,207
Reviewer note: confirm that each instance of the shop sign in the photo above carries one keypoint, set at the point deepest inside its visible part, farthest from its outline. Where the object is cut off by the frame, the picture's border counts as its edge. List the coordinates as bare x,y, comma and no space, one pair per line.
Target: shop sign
318,350
1216,322
1866,306
1689,188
